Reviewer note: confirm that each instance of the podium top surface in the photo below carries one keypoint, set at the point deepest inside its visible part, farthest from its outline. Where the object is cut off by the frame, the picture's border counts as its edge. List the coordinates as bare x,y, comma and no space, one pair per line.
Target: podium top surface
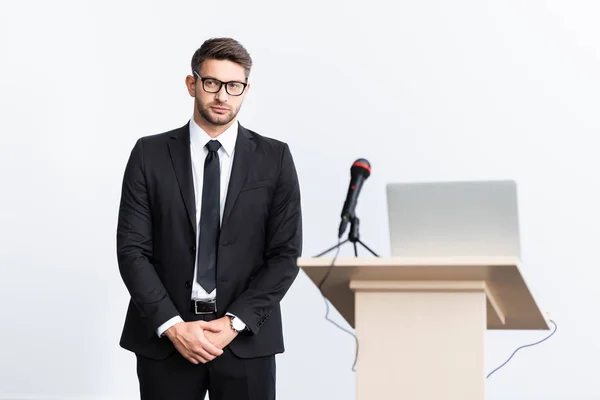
510,302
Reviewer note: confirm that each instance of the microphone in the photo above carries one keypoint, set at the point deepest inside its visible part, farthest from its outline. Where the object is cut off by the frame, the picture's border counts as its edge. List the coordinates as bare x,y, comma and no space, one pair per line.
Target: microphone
359,172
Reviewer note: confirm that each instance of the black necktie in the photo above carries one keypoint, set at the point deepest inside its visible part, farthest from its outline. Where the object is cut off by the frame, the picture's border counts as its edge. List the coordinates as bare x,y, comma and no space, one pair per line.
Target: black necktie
210,219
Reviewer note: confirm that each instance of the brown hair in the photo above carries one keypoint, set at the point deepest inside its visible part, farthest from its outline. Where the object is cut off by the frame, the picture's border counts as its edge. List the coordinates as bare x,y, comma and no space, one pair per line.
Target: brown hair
222,49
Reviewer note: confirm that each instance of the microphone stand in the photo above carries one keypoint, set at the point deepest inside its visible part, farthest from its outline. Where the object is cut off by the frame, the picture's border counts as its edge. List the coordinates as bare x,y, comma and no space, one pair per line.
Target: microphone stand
353,237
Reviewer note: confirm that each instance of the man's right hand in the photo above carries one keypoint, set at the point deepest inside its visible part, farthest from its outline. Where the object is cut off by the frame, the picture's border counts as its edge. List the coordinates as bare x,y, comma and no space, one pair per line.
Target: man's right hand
190,341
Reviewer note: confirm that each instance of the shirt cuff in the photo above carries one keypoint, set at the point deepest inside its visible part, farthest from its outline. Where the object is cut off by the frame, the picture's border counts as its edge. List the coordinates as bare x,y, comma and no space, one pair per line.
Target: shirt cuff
163,328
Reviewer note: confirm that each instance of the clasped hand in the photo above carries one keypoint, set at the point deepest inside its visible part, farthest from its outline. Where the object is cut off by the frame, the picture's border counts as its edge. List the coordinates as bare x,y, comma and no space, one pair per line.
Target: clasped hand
201,341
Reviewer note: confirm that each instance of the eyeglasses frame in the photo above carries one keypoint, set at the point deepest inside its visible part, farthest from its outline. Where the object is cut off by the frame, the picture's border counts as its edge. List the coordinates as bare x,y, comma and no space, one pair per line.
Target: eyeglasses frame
221,83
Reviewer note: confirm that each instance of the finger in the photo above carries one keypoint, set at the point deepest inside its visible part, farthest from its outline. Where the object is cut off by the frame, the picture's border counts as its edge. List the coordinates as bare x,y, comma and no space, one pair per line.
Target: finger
211,348
196,356
200,360
208,326
190,355
203,354
193,359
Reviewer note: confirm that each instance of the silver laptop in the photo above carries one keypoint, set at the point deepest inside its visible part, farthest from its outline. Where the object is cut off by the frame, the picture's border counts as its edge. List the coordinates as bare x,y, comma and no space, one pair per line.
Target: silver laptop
468,218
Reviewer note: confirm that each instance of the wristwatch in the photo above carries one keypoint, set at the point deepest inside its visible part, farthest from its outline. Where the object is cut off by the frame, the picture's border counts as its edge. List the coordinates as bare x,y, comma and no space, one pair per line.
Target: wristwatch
236,324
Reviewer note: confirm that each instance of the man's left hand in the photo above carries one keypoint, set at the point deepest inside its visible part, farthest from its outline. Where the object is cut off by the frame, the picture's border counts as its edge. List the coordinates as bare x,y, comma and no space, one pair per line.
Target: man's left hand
219,332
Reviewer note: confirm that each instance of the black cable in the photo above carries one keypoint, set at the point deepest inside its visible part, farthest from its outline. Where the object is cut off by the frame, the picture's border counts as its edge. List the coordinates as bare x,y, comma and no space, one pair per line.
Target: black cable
522,347
320,286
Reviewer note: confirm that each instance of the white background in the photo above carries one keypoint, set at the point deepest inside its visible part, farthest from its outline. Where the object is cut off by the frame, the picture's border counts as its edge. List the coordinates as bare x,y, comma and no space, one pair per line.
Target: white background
425,90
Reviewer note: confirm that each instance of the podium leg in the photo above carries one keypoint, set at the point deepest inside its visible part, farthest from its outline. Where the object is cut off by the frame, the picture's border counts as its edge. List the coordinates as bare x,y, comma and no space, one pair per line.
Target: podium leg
420,340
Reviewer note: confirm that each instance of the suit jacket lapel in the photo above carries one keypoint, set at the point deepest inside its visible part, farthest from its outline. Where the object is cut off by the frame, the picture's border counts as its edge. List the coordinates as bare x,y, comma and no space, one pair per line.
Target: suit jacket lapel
244,148
179,149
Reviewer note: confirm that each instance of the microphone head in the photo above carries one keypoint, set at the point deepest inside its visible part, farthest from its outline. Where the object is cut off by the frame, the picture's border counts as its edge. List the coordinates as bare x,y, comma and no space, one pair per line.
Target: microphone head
361,167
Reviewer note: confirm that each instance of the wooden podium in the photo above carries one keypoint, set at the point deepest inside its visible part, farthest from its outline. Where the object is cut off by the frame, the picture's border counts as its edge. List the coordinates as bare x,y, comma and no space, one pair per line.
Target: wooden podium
421,322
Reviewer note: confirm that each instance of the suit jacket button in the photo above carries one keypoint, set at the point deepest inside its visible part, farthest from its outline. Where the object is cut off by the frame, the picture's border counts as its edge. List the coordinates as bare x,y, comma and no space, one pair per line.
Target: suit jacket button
188,284
193,249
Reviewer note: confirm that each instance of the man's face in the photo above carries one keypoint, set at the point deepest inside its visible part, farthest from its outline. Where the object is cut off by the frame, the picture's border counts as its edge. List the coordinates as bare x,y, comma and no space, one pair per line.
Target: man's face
218,108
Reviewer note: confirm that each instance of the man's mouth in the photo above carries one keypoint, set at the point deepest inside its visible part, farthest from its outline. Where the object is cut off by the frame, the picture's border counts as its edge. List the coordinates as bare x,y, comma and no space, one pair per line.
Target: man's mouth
219,109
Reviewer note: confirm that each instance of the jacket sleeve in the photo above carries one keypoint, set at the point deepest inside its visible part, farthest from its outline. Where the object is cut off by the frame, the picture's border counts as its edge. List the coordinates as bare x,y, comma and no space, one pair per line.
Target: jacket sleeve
134,245
283,246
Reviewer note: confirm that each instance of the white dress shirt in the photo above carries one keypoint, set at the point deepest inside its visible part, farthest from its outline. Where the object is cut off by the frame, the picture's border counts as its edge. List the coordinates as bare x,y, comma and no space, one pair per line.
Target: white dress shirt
198,140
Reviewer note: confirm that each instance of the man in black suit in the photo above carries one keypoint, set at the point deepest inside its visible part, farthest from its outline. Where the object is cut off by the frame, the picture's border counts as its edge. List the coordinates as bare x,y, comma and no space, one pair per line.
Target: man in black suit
209,232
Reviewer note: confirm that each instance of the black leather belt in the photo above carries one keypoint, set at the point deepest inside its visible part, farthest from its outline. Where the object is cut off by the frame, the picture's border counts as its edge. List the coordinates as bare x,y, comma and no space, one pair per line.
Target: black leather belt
203,307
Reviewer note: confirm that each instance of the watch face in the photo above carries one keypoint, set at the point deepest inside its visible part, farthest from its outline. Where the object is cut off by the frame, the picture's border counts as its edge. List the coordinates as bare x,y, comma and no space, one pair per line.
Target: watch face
237,324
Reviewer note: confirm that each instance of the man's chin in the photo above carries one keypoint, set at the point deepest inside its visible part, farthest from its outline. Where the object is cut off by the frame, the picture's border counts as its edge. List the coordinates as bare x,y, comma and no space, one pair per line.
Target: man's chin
221,122
218,120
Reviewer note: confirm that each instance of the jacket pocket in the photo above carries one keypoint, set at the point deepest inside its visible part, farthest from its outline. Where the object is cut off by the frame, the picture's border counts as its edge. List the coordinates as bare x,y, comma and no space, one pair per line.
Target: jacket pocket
256,185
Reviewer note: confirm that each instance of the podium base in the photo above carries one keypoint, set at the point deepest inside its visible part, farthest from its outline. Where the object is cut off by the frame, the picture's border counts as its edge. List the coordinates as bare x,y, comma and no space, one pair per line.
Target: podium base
430,347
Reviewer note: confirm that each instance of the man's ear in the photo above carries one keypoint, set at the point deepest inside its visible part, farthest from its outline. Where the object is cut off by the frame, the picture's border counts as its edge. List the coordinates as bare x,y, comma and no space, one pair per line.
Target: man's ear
190,83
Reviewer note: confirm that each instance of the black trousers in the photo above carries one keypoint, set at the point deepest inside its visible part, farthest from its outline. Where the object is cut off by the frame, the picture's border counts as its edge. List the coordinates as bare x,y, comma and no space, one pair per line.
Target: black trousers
227,377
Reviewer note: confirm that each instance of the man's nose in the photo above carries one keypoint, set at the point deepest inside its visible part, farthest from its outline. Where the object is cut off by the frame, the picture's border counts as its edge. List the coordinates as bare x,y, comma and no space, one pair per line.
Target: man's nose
222,95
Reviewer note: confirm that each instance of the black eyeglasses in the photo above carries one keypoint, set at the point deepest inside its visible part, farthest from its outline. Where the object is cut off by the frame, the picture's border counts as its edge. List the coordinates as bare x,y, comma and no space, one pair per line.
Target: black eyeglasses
233,88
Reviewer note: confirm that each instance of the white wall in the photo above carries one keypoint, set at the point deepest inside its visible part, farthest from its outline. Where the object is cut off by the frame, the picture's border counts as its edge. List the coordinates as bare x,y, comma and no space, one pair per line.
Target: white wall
426,90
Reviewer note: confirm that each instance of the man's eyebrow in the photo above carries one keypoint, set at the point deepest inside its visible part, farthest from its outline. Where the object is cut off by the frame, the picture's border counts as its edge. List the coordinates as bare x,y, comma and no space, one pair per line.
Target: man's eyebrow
217,79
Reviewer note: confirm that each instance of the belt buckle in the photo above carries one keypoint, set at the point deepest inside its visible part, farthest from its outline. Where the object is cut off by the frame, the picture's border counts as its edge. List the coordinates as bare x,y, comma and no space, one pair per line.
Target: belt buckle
201,312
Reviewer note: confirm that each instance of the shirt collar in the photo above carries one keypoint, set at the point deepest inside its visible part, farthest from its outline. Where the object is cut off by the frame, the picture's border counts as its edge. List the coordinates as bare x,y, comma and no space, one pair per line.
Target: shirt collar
227,139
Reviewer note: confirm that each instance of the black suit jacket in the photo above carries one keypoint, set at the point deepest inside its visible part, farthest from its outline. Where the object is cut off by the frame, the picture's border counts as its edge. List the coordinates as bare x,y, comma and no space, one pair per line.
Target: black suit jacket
260,241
